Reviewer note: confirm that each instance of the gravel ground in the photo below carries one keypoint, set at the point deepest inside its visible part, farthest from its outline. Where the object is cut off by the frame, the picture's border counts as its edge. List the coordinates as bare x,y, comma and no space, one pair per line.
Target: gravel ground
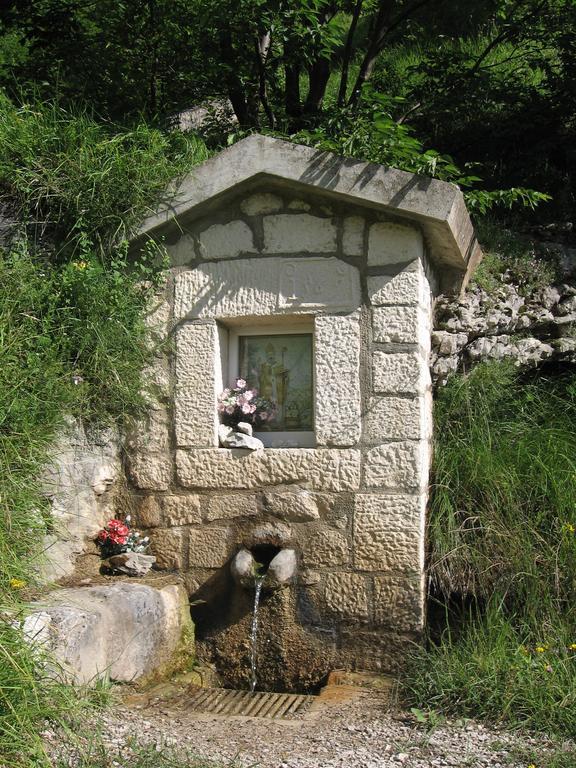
362,732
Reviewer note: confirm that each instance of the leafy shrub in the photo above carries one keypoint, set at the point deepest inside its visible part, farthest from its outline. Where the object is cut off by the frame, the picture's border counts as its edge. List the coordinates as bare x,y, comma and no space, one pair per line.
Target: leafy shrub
73,340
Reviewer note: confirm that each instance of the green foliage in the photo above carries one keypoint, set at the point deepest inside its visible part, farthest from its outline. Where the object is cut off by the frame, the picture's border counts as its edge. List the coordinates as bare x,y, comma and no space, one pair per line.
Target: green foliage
503,670
73,340
508,253
502,537
80,182
373,130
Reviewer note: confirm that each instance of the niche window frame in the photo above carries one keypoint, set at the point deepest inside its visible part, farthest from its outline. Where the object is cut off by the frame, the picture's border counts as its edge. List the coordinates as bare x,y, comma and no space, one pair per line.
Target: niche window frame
230,335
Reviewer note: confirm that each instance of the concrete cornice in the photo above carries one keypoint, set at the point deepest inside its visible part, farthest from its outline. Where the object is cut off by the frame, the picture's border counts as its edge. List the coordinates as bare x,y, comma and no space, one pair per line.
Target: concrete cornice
436,206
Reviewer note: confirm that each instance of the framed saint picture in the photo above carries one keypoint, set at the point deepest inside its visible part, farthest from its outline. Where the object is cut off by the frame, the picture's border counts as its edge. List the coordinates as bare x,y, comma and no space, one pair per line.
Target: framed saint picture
280,367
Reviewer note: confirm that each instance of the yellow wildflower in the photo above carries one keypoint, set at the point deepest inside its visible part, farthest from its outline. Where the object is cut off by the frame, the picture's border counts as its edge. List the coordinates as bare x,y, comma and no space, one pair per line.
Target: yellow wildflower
540,648
531,765
17,583
79,264
572,646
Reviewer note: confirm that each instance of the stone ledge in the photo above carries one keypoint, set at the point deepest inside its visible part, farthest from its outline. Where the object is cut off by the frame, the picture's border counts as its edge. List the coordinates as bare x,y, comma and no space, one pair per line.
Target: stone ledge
324,469
124,632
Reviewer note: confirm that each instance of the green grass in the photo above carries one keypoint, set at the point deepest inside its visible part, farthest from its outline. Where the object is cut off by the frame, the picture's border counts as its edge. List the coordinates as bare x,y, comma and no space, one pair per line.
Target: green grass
502,540
73,341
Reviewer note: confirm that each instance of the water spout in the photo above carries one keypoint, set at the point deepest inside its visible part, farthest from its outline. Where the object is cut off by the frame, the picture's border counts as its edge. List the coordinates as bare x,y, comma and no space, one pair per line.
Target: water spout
258,581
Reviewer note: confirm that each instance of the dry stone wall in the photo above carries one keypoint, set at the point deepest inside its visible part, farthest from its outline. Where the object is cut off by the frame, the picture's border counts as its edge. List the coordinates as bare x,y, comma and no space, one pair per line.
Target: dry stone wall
353,505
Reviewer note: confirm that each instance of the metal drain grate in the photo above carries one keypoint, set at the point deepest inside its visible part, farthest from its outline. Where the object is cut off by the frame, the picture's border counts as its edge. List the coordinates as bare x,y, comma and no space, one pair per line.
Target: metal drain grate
219,701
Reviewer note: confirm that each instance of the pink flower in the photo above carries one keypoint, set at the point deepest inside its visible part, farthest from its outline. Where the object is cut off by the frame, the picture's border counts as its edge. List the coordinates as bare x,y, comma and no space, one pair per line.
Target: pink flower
240,383
230,409
248,395
247,408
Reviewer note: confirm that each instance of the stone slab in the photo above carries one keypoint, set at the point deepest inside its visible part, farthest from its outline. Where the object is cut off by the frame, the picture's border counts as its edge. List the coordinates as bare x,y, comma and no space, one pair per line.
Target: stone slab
266,286
353,236
226,241
406,288
150,471
228,506
298,233
195,394
122,631
399,465
323,469
260,203
167,544
389,533
346,596
400,325
325,547
208,547
399,373
399,603
396,418
337,369
181,509
393,244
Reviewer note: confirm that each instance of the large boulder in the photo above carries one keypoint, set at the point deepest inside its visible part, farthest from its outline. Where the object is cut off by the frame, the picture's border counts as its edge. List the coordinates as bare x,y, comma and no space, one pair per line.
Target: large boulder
121,631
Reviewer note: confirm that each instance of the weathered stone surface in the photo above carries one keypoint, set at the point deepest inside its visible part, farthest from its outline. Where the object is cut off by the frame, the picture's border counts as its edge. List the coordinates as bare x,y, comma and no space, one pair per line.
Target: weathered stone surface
400,325
132,563
437,207
297,506
167,545
399,603
325,547
121,631
346,596
228,506
398,465
388,533
224,241
208,547
353,236
299,205
269,532
330,470
406,288
150,433
266,287
147,512
181,510
157,318
195,414
396,418
244,427
243,568
80,483
282,568
370,650
298,233
230,438
399,372
261,202
337,367
393,244
150,471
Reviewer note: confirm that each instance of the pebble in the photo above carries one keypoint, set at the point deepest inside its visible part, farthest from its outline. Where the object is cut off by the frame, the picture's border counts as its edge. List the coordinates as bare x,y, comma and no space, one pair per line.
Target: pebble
363,733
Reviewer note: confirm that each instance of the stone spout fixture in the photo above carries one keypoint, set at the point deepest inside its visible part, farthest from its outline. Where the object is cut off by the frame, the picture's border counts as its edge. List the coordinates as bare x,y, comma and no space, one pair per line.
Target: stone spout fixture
312,278
279,572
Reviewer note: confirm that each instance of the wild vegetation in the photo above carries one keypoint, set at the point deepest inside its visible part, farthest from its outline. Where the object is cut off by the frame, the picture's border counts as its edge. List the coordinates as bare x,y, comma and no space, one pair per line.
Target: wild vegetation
478,93
73,338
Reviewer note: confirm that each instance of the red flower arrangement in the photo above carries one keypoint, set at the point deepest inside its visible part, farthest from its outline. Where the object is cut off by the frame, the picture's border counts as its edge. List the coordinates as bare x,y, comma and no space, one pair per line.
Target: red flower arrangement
117,537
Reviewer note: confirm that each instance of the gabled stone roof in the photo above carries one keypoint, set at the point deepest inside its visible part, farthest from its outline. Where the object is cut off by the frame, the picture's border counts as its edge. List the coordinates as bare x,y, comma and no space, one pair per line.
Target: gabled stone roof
436,206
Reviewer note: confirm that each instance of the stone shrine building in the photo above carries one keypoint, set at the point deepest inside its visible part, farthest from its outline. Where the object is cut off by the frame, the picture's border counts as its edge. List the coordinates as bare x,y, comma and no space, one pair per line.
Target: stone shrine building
313,278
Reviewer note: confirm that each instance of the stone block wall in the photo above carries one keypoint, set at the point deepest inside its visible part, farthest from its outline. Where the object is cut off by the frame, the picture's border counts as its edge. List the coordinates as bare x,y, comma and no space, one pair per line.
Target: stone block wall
353,506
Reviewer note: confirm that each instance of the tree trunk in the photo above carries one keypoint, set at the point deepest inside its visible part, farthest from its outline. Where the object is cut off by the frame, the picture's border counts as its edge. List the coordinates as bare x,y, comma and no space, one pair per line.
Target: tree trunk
348,48
319,74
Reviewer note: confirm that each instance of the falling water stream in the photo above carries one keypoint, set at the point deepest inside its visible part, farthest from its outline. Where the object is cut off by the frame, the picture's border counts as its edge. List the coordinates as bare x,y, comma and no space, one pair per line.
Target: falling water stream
258,581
